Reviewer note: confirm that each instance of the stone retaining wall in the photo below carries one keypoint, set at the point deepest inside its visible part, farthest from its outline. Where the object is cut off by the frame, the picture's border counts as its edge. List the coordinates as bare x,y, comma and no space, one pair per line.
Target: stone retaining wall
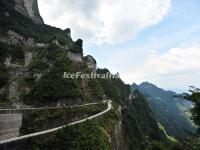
10,125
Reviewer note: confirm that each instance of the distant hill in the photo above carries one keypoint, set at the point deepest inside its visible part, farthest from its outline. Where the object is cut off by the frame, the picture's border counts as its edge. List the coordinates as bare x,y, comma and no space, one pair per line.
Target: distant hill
170,111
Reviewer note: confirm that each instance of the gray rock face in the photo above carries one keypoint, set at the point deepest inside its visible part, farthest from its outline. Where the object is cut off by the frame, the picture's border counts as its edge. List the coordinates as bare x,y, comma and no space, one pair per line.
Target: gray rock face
91,62
30,9
13,37
77,57
119,145
17,73
28,58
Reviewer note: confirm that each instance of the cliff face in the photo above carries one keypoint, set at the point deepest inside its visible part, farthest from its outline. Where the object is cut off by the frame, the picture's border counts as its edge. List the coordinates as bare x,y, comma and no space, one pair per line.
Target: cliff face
30,9
139,124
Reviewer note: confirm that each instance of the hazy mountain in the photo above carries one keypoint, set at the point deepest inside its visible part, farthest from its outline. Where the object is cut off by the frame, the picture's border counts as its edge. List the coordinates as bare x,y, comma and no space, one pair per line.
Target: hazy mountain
170,111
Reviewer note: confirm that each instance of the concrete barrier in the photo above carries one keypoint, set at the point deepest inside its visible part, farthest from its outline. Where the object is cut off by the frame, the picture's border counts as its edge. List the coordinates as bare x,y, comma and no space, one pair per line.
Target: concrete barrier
10,125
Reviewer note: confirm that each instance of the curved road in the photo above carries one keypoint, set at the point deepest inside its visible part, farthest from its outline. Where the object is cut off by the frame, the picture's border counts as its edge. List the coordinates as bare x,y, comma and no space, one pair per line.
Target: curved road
58,128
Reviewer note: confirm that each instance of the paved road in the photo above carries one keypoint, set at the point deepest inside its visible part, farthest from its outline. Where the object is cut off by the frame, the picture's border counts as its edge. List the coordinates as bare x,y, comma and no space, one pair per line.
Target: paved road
58,128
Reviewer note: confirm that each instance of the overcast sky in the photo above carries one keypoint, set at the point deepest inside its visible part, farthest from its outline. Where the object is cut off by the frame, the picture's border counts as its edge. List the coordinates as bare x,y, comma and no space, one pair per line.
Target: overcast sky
144,40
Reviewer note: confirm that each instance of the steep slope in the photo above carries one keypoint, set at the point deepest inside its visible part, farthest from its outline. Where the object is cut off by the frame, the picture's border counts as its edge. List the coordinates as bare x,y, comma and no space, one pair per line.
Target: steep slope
169,111
140,126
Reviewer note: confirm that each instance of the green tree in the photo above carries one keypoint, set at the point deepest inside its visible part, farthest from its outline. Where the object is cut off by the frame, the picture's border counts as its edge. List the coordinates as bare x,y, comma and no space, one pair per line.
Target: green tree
194,96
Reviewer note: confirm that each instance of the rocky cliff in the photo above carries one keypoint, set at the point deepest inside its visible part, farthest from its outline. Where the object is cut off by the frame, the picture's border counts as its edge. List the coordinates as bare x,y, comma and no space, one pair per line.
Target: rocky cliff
30,9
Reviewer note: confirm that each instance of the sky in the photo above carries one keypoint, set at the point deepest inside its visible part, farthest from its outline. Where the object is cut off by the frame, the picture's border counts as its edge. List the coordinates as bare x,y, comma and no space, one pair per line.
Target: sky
144,40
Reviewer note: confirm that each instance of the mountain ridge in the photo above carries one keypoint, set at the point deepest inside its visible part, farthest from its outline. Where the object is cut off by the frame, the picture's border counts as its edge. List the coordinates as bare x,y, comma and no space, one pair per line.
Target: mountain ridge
168,109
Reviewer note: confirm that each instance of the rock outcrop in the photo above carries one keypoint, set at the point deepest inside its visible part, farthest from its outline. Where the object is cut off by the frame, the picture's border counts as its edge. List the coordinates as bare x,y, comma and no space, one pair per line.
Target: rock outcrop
30,9
91,62
12,37
77,57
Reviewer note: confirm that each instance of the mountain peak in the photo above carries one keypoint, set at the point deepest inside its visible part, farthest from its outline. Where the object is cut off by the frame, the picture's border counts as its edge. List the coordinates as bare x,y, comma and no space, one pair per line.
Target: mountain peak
147,85
134,86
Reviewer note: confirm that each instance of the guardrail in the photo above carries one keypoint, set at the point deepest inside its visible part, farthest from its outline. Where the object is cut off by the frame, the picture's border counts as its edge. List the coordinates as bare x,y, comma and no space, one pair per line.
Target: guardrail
58,128
11,111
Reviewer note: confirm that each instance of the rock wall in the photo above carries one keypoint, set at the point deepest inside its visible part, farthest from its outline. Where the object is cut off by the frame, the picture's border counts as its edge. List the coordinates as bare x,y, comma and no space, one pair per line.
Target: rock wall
75,56
30,9
91,62
28,58
12,37
17,73
119,145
